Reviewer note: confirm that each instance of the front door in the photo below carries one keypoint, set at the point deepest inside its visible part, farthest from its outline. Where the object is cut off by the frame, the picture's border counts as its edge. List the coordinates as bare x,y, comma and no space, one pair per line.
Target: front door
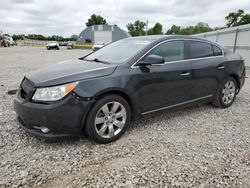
163,86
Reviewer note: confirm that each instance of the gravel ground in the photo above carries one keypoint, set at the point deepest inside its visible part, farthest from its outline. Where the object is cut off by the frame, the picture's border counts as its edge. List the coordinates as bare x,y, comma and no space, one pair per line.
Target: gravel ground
202,146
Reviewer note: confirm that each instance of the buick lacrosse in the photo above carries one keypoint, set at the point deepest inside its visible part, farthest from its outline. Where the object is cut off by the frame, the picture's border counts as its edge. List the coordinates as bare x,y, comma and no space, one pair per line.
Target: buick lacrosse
100,94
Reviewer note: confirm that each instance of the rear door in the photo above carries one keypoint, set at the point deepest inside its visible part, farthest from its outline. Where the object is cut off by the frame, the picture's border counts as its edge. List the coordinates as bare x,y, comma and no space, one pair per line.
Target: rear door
208,67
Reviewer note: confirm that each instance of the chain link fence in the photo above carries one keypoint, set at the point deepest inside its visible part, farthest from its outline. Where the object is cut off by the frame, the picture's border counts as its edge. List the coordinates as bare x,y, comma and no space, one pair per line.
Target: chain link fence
39,43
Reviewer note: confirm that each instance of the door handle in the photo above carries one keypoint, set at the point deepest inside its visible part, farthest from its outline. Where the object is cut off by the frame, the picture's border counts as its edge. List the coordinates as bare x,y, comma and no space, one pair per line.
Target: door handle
185,74
221,67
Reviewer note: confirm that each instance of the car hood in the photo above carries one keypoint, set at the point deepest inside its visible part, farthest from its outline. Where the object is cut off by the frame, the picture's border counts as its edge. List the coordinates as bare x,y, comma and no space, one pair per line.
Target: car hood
69,71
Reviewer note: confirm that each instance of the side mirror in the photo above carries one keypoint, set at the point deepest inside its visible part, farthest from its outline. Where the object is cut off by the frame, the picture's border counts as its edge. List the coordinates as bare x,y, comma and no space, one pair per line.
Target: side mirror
152,60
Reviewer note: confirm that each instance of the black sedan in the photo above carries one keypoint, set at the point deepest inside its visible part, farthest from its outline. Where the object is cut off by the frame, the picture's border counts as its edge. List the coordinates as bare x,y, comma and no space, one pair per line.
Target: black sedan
100,93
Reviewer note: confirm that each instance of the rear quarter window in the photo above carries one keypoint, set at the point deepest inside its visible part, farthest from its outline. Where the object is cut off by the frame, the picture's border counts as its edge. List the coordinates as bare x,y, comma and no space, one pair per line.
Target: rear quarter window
199,49
217,51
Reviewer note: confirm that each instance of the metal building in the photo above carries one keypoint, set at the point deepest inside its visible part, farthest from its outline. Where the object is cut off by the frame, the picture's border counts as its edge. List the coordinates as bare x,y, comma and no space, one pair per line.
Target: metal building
236,39
101,34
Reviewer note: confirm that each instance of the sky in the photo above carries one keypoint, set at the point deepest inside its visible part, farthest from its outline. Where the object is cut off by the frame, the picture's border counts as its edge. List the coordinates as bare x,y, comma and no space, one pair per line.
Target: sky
68,17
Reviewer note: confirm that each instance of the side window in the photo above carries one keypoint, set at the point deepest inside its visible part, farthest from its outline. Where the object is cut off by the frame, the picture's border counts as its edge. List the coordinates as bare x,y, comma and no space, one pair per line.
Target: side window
217,51
200,49
170,51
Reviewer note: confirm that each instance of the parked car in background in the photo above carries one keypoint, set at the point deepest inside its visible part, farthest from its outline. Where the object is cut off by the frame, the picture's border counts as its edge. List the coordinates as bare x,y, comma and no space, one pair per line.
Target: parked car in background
6,40
100,94
3,41
63,43
70,45
9,40
96,47
52,45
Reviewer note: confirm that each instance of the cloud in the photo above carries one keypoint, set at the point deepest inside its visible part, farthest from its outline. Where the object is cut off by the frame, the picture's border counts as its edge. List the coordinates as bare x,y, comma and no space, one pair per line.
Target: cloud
67,17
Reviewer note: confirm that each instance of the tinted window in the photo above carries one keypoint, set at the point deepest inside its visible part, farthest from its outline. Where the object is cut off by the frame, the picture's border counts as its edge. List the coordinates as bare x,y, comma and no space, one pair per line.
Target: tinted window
217,50
200,49
170,51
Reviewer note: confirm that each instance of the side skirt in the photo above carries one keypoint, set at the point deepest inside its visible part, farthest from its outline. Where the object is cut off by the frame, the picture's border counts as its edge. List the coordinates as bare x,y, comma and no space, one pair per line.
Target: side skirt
177,105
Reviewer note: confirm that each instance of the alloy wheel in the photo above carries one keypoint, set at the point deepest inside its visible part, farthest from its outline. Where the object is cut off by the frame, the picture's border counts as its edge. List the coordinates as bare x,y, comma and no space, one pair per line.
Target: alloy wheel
110,119
228,92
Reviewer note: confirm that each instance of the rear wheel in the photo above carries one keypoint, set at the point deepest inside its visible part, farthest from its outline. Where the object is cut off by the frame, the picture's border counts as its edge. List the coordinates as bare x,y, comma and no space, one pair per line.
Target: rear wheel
108,119
226,93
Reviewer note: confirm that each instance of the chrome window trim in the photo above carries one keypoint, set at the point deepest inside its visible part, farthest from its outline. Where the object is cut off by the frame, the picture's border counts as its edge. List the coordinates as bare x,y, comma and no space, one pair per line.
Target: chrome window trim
175,105
184,60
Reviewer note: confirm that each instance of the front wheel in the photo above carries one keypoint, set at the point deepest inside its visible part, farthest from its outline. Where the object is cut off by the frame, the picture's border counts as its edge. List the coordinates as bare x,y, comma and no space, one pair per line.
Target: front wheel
108,119
226,93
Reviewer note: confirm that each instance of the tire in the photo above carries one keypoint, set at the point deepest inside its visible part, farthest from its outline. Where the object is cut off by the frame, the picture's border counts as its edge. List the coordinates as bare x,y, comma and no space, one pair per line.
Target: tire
5,44
226,93
101,119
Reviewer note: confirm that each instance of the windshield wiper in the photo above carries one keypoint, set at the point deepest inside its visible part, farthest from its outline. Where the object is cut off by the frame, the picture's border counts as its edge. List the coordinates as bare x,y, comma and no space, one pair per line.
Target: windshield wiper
99,61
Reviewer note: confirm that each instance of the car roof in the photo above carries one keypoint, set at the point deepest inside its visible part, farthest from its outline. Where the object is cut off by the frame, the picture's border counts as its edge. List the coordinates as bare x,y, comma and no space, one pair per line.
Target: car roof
159,38
164,37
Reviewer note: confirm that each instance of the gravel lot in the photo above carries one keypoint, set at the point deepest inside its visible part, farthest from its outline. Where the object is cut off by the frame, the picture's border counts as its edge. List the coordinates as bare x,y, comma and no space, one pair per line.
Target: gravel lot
202,146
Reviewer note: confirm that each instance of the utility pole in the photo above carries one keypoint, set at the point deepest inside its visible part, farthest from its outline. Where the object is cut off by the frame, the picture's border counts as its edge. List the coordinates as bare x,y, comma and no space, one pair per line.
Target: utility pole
146,27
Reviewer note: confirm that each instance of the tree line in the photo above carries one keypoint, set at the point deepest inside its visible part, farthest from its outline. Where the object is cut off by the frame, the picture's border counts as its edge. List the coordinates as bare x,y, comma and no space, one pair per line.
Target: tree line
48,38
138,27
232,19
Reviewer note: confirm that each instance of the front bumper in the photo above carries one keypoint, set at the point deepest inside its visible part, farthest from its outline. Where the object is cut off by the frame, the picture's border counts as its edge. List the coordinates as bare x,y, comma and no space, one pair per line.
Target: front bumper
40,134
63,118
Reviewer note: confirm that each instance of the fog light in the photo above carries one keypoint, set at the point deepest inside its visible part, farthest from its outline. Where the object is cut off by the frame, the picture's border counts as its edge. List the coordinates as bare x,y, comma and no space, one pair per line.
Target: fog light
44,129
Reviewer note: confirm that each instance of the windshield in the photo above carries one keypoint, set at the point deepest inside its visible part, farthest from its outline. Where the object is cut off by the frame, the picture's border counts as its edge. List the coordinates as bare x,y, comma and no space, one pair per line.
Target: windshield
119,51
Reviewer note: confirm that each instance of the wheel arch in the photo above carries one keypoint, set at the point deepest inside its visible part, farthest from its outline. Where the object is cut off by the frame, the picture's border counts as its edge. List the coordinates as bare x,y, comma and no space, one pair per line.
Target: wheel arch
121,93
124,94
237,79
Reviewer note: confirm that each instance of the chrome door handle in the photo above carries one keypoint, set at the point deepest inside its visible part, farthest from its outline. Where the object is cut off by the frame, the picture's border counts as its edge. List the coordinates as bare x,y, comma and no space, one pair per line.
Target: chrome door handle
185,74
221,67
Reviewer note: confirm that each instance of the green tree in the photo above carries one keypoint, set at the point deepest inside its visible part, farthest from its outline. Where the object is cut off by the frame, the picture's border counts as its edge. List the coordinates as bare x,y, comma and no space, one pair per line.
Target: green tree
245,19
237,18
74,37
55,38
95,20
18,37
40,37
137,28
234,17
201,27
174,30
156,30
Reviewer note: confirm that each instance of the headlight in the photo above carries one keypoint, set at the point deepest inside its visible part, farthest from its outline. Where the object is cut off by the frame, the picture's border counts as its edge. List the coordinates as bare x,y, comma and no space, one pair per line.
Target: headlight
53,93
